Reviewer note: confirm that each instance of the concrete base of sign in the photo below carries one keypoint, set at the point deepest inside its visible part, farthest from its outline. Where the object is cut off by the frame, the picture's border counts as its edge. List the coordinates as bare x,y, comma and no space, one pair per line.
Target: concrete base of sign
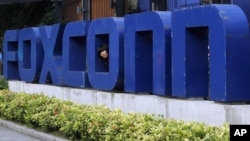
199,110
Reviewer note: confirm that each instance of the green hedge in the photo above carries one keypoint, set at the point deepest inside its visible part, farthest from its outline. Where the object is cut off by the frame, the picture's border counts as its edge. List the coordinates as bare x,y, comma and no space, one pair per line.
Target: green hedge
98,123
3,83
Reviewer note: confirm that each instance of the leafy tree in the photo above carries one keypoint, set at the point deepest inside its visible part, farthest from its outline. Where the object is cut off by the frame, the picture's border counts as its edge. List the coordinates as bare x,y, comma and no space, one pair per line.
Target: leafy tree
20,15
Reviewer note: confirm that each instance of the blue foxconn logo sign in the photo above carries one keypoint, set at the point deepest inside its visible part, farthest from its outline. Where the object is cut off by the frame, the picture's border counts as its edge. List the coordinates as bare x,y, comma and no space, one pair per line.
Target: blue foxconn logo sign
200,51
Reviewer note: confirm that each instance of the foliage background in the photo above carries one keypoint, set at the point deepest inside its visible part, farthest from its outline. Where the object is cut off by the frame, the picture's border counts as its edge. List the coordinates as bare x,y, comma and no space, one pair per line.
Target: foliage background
20,15
99,123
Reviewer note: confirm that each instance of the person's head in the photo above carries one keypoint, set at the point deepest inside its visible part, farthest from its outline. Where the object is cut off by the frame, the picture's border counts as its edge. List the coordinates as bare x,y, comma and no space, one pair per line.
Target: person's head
103,52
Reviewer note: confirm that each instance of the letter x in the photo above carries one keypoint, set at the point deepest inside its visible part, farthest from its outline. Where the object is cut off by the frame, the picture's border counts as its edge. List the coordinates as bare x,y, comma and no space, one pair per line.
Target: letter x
51,37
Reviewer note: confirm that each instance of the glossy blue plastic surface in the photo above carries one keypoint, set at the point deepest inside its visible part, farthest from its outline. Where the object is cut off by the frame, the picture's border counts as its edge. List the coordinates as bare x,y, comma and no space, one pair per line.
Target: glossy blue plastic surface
30,54
51,37
148,53
75,54
192,51
10,56
109,32
225,75
245,6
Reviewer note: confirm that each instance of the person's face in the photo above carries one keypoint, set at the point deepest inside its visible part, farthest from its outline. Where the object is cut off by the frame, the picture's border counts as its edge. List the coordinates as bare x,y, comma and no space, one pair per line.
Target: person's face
104,54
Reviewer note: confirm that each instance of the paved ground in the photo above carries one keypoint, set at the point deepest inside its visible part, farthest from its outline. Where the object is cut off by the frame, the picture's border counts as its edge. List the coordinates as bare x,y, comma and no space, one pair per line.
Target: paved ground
10,131
9,135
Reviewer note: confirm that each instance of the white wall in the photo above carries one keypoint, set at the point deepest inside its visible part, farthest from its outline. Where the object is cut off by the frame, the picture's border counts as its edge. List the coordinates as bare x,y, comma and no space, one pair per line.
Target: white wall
186,109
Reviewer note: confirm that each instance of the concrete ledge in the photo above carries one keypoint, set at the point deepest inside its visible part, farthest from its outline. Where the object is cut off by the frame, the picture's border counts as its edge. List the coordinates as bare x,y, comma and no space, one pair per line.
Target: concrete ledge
185,109
29,132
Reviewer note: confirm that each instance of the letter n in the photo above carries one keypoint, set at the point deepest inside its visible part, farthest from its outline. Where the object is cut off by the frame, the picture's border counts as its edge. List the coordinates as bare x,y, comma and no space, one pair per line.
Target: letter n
148,53
220,31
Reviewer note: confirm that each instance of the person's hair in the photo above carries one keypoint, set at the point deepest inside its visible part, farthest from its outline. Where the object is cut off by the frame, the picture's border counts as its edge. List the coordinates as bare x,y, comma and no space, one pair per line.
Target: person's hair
102,48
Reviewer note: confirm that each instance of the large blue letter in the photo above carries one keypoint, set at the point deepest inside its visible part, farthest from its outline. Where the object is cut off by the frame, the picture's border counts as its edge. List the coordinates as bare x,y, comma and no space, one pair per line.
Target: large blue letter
75,53
51,37
245,6
148,53
30,54
108,32
224,75
10,55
